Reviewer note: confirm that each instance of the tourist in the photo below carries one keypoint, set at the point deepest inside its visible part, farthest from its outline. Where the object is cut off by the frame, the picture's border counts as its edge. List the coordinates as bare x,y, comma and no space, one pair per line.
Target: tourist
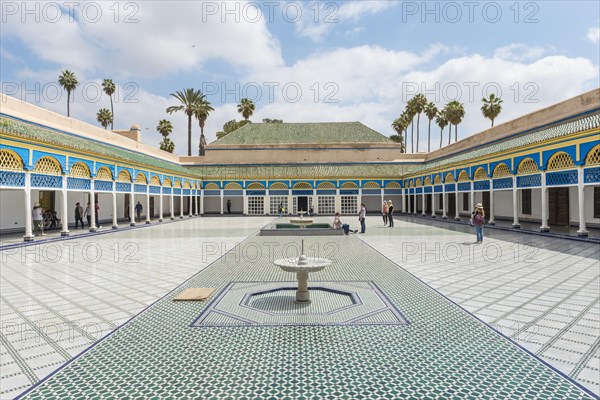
97,211
361,217
88,214
391,213
385,213
53,219
38,219
280,210
338,224
138,211
311,210
228,206
478,220
78,215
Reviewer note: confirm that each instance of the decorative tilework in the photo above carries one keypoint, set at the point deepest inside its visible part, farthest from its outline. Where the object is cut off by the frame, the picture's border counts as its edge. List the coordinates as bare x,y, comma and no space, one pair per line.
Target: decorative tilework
438,189
450,187
211,192
166,190
9,178
393,191
280,192
256,192
308,192
186,192
591,175
419,190
177,191
123,187
529,181
138,188
372,191
561,178
46,181
464,186
233,192
103,186
78,183
155,189
503,183
481,185
427,189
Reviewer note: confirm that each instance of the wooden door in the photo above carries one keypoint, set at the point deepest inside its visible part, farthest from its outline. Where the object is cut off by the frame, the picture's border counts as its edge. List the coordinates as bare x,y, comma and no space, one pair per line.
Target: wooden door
558,206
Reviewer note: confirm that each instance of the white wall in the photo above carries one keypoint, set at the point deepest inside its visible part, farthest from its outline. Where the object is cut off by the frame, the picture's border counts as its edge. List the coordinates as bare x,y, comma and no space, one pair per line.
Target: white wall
12,203
212,205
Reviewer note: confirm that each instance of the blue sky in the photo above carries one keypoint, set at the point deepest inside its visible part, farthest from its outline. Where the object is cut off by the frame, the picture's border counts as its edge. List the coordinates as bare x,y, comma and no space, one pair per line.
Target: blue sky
351,61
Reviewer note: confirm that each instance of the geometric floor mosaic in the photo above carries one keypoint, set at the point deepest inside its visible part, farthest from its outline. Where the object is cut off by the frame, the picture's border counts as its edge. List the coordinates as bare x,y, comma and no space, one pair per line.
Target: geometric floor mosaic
445,352
272,304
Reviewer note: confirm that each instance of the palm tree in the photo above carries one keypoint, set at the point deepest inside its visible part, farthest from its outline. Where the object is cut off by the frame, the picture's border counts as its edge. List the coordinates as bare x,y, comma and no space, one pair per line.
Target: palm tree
441,121
165,127
420,101
189,98
405,122
109,88
455,112
201,111
398,126
68,81
410,115
104,116
492,107
430,111
246,108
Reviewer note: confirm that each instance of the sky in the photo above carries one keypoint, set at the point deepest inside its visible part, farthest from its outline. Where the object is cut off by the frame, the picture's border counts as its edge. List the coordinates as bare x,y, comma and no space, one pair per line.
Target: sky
299,61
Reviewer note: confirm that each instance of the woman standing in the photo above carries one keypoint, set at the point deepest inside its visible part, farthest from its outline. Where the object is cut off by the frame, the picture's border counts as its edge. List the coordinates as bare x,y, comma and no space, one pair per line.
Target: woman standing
385,213
478,220
391,213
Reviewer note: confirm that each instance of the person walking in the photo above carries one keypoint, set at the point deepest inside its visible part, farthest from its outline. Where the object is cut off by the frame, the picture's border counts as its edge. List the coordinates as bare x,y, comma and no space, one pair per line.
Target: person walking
228,206
478,221
78,215
391,213
280,209
361,217
138,210
385,213
88,214
38,219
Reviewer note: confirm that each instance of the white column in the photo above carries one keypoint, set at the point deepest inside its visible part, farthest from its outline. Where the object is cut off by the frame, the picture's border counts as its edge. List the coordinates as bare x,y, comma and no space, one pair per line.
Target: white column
544,227
581,195
191,204
433,194
408,206
245,202
181,203
172,203
338,201
456,214
415,201
115,223
28,237
92,208
403,201
472,197
148,216
201,203
359,201
423,202
197,202
221,191
444,216
160,205
132,206
65,209
267,203
491,213
315,203
515,204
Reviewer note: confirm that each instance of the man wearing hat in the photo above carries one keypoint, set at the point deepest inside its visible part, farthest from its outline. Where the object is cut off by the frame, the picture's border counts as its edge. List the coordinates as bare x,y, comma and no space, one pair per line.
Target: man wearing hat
478,219
78,215
38,218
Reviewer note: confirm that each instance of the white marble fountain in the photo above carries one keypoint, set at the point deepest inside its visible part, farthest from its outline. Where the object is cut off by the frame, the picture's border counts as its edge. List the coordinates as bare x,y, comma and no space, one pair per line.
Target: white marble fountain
302,222
302,266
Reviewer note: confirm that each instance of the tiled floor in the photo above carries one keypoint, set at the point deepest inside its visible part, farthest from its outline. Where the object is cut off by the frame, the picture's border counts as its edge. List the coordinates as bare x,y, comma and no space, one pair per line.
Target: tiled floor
59,297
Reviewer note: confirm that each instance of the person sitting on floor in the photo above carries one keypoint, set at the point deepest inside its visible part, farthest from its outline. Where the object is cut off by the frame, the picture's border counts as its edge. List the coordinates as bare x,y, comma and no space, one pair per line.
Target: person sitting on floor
338,224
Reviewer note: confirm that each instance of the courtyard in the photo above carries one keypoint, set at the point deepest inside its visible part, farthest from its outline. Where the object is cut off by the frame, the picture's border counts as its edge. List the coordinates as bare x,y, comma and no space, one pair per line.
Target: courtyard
436,317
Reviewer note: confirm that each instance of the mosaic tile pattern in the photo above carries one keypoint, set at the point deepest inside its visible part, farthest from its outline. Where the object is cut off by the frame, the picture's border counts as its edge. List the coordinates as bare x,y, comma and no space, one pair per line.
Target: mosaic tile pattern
443,353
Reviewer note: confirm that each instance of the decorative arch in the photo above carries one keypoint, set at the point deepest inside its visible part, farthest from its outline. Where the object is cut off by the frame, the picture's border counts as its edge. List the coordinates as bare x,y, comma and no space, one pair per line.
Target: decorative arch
560,160
371,185
278,186
501,171
593,156
124,176
349,185
326,185
411,184
48,165
463,176
155,181
177,183
186,185
437,180
480,174
450,178
79,170
302,185
427,181
418,182
232,186
10,161
194,186
393,185
167,182
527,166
104,174
256,185
211,186
141,178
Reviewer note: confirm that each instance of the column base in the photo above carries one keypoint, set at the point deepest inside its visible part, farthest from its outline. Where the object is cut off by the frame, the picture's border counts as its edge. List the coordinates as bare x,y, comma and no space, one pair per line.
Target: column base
491,223
444,217
172,218
544,229
64,234
516,226
423,215
190,216
28,238
115,227
582,233
92,229
132,224
433,216
457,218
147,222
181,217
160,220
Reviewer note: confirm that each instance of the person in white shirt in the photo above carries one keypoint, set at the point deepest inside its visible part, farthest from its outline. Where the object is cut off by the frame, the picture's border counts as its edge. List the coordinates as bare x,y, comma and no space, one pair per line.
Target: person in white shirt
38,218
361,217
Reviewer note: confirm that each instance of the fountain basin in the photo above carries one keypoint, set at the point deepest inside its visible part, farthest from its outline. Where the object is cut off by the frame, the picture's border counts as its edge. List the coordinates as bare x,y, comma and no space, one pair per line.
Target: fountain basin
302,266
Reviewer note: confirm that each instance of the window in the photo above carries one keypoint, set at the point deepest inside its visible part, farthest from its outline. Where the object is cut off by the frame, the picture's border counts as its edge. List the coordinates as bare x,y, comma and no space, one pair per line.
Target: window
526,201
276,201
256,205
465,201
597,202
349,204
326,204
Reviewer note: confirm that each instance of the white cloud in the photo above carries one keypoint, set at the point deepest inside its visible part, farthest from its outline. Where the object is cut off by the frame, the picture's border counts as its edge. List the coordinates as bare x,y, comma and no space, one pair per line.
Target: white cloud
593,34
519,52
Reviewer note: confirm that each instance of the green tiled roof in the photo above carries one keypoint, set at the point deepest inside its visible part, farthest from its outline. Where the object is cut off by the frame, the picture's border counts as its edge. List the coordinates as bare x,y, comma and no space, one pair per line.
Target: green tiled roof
49,136
302,171
303,133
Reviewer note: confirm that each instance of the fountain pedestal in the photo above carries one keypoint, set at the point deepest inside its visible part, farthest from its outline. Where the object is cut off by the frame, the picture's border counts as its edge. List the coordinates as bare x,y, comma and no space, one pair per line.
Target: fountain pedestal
302,266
